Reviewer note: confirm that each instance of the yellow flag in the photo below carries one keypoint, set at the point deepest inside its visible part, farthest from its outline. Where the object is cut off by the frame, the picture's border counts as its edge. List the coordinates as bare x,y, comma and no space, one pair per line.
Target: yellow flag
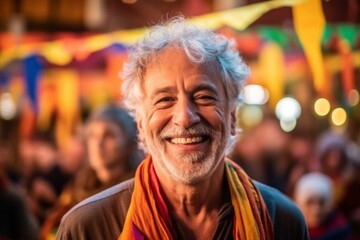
67,104
55,52
271,61
309,25
240,18
47,92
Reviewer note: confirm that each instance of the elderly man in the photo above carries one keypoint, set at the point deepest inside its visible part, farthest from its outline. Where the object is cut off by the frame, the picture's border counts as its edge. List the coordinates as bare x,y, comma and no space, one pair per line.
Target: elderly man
182,84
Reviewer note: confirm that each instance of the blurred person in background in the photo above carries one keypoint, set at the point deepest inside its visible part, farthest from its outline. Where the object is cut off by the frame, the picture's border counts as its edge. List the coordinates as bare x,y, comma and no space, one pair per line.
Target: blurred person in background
301,155
334,161
73,155
350,202
274,159
26,151
46,180
16,221
113,155
314,195
247,153
262,152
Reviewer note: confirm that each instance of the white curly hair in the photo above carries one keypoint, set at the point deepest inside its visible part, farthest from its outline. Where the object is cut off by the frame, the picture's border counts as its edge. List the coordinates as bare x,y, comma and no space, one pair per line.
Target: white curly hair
200,45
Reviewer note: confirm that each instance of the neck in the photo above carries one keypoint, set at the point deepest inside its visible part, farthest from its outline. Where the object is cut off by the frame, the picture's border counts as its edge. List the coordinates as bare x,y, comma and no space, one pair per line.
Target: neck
190,200
195,206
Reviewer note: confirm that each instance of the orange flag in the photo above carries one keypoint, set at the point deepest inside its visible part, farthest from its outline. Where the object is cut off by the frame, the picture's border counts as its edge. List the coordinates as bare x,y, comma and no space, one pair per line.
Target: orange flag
27,120
114,67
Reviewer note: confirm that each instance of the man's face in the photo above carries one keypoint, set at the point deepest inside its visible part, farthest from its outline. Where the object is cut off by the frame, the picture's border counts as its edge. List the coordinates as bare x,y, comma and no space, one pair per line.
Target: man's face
186,121
105,143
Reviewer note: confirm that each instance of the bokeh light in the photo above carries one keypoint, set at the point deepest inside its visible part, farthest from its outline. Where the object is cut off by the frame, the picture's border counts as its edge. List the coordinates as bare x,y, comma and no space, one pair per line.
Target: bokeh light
288,109
7,106
255,94
288,125
251,115
338,116
353,97
322,107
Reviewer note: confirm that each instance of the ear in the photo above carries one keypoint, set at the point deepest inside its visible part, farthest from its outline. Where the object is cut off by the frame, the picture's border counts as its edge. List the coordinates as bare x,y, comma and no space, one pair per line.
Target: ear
233,122
140,127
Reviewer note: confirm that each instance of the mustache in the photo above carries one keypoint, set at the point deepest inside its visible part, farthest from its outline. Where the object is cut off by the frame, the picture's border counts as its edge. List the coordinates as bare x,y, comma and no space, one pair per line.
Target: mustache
198,129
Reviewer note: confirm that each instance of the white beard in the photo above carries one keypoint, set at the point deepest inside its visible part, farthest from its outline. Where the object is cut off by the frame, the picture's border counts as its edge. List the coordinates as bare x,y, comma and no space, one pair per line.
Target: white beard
189,168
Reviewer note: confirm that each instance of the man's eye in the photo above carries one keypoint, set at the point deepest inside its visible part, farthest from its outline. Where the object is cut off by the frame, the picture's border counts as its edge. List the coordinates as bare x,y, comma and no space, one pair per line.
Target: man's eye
164,100
204,99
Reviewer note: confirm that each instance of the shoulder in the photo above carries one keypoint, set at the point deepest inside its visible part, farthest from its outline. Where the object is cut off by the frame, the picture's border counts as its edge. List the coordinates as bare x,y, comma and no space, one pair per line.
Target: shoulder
287,218
100,215
11,195
277,202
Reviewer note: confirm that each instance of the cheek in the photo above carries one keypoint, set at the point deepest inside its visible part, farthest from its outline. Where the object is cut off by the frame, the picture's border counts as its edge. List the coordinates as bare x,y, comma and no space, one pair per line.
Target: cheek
92,147
216,117
305,209
111,145
157,120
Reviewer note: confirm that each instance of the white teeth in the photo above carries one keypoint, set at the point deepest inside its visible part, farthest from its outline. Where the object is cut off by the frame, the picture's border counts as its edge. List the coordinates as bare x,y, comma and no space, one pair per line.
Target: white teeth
186,140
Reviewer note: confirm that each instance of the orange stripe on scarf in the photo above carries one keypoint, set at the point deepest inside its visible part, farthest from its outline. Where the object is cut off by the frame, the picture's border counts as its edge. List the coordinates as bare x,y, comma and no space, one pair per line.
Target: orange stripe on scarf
144,215
148,217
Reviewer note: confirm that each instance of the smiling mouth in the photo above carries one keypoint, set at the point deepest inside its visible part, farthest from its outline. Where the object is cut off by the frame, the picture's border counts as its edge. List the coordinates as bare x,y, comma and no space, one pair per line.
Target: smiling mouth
187,140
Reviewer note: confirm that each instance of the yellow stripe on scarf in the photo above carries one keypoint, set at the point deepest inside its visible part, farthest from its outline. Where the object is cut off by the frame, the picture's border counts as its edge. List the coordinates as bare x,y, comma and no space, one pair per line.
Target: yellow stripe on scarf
252,220
245,219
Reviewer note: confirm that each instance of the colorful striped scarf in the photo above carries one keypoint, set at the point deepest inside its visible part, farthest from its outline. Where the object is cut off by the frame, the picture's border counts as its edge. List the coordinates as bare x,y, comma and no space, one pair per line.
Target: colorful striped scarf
148,216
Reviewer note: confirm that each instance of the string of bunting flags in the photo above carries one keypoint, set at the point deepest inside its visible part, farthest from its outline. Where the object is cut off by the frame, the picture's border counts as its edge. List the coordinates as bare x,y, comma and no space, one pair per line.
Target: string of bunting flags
56,74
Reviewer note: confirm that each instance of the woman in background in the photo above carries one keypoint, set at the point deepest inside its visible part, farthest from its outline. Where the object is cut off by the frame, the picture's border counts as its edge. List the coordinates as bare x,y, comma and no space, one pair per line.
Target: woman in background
113,155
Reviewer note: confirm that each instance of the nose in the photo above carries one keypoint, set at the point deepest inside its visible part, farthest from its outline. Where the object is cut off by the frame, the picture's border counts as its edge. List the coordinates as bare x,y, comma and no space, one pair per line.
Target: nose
185,113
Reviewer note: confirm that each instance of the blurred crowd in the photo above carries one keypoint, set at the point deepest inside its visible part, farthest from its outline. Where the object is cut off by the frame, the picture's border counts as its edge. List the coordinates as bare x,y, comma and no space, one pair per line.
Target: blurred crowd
34,198
321,174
